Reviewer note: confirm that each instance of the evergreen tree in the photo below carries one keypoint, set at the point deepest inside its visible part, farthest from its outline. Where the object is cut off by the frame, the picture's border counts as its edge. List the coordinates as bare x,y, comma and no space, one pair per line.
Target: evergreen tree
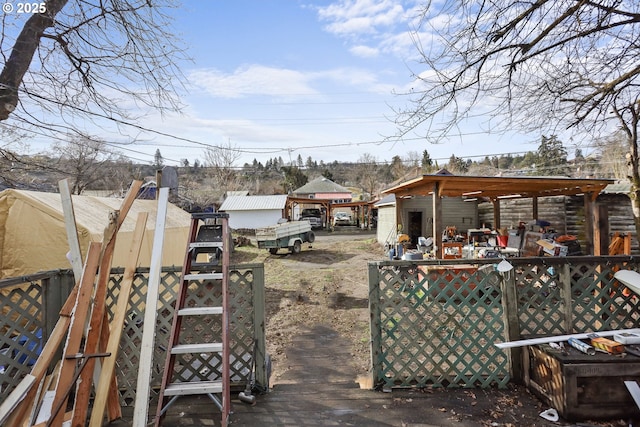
309,163
327,174
293,178
426,162
158,161
552,157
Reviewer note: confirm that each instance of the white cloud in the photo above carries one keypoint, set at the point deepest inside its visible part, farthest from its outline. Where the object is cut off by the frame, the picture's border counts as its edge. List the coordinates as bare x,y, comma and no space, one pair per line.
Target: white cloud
349,17
258,80
364,51
251,80
374,27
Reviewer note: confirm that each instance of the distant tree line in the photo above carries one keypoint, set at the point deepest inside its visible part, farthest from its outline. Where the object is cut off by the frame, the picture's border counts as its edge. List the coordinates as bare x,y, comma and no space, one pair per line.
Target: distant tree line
91,165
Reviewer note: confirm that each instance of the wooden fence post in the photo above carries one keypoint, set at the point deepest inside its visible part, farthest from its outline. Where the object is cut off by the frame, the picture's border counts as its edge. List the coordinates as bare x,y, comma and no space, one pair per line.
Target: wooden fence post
374,325
511,321
564,275
260,353
55,292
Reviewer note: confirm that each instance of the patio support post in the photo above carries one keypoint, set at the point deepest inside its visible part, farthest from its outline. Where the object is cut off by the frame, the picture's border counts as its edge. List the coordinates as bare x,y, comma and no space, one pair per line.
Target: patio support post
496,213
437,220
600,230
589,223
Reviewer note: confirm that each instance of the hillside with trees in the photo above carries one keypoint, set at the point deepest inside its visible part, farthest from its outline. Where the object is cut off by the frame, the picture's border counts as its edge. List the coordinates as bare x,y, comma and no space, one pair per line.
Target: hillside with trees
92,166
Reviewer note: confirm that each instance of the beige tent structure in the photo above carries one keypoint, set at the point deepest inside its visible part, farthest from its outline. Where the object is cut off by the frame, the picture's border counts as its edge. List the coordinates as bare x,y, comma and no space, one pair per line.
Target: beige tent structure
33,236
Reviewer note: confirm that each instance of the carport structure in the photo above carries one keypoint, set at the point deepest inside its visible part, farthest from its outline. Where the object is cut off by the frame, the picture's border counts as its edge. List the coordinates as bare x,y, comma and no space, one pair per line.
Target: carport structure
329,205
496,189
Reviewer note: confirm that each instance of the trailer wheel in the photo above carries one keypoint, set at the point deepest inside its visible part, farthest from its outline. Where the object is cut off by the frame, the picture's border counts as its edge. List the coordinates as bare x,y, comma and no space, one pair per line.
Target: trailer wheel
273,251
311,237
296,248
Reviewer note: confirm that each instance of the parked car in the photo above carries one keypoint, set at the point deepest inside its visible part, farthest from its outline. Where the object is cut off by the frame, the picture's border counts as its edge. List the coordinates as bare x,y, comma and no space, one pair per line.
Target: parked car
314,216
342,218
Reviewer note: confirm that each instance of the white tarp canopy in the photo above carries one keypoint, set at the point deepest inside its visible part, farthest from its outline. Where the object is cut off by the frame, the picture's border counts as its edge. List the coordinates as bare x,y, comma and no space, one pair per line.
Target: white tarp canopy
33,235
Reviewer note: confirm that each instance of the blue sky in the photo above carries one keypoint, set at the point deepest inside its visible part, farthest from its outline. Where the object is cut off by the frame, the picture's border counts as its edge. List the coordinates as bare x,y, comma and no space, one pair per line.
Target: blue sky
282,78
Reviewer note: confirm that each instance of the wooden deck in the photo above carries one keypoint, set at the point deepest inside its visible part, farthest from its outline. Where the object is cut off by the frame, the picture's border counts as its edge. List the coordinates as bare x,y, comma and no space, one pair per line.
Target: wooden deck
320,389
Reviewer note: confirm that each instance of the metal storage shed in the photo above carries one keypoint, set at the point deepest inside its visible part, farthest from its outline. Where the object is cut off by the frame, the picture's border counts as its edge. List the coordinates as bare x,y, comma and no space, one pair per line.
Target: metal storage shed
250,212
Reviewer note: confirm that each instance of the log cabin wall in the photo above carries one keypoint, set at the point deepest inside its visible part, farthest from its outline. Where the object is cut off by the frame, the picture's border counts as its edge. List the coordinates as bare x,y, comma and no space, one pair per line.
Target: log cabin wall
566,214
550,209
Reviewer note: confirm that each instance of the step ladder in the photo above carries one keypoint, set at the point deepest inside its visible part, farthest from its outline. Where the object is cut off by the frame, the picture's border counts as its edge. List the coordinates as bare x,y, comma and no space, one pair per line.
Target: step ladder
206,258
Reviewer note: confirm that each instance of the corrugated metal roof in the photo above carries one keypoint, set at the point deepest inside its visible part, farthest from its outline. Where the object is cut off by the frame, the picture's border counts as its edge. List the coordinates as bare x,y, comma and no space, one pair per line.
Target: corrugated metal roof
321,185
254,203
617,188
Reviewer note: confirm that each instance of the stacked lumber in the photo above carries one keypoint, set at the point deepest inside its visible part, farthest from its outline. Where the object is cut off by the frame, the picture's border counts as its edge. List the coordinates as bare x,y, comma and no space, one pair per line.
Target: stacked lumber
88,354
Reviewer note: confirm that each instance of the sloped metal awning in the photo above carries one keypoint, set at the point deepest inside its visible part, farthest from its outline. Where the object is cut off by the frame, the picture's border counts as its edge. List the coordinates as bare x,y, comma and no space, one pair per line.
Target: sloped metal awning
497,187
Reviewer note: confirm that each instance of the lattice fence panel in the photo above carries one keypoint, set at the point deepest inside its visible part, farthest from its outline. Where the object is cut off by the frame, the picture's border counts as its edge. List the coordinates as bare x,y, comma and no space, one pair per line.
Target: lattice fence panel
600,301
436,327
21,327
540,303
199,367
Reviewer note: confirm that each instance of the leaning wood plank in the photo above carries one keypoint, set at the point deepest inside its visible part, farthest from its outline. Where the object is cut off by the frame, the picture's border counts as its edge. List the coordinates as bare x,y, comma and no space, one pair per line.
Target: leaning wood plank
14,398
43,402
560,338
66,421
120,312
114,410
39,370
75,254
76,328
83,393
42,387
141,408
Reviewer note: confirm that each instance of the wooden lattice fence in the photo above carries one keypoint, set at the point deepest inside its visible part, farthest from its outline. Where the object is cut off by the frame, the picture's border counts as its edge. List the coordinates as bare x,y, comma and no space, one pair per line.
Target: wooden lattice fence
32,303
434,325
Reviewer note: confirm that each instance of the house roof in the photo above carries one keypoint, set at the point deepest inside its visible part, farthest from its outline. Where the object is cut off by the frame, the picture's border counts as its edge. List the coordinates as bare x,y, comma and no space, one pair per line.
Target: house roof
254,203
618,188
497,187
389,199
321,185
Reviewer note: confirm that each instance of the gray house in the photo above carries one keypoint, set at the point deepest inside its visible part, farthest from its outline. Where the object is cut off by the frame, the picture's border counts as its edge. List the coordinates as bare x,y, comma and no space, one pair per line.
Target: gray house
416,216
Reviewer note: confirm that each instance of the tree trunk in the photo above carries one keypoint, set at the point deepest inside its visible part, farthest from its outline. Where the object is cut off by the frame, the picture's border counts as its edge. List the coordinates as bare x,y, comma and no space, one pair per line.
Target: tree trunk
633,160
22,53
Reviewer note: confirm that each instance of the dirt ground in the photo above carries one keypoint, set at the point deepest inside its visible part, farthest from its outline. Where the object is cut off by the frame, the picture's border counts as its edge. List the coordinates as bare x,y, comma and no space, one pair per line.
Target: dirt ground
327,283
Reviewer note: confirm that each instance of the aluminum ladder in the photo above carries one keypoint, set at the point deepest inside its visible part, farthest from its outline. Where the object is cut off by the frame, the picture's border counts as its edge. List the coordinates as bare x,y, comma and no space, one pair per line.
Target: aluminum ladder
209,238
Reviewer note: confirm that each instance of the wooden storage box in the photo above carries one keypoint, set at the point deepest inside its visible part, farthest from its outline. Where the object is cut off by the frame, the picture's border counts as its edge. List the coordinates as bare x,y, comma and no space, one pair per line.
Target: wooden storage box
579,386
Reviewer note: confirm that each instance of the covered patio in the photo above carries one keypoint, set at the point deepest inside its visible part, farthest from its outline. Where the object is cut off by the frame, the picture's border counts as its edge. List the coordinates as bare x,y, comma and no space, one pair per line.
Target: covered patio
496,189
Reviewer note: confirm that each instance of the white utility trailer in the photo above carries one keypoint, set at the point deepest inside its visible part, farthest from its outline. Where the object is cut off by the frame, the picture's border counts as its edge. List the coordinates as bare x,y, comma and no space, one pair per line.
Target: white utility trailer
290,235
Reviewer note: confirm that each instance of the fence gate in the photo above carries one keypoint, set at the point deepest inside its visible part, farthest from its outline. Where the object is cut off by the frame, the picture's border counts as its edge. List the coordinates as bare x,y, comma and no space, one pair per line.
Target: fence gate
435,327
